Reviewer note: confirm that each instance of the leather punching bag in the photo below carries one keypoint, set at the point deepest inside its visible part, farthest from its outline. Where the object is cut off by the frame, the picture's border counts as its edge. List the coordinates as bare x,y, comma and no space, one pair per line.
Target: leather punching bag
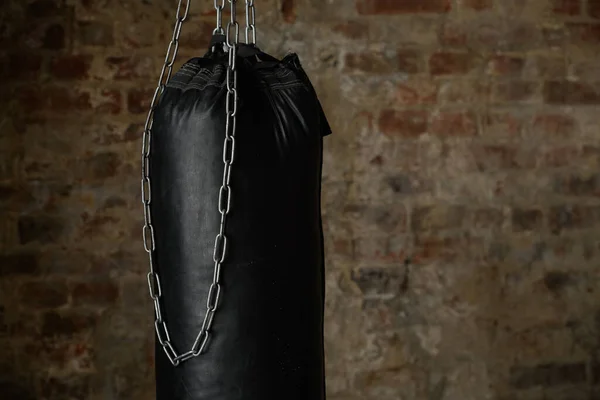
266,336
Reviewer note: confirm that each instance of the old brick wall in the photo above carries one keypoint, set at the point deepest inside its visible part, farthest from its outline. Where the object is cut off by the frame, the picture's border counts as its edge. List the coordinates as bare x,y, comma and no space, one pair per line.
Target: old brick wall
466,141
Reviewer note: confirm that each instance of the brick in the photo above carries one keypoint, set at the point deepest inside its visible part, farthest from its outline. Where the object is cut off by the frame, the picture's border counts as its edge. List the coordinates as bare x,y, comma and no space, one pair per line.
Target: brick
437,218
58,100
579,185
584,33
21,66
571,93
497,123
371,62
101,166
95,33
409,61
435,247
555,281
382,7
138,100
494,157
416,91
453,35
477,5
405,123
514,91
594,8
567,217
73,387
54,37
555,125
463,91
561,156
525,220
101,293
566,7
45,294
43,9
107,101
40,228
373,218
65,323
288,11
71,66
380,280
454,123
352,29
502,65
407,184
131,67
451,63
486,218
547,375
22,263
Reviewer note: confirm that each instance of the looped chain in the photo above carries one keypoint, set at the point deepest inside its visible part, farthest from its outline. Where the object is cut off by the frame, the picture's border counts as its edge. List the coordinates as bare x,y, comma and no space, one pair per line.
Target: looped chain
225,192
250,22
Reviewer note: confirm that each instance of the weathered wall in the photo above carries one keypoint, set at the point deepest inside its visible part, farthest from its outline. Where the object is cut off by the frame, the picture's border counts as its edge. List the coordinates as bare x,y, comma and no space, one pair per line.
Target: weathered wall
467,140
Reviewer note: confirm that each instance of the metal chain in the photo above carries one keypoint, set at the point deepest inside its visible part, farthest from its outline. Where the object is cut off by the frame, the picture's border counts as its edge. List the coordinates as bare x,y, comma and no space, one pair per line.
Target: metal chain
250,22
219,8
224,205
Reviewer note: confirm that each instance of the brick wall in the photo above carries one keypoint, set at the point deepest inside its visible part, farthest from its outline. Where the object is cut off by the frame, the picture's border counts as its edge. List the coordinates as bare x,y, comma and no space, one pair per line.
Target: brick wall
466,141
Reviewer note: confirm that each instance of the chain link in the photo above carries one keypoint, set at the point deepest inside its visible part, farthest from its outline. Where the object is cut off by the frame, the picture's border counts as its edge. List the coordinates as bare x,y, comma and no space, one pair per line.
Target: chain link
250,22
225,192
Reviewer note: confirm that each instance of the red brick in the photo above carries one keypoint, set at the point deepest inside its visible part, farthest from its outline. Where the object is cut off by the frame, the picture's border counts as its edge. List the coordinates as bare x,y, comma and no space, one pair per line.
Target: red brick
95,33
406,123
454,123
453,35
451,63
98,293
101,166
486,218
594,8
23,66
501,65
198,37
377,7
437,218
514,91
288,11
501,123
579,185
490,157
40,228
567,217
477,5
567,92
457,91
43,9
66,323
21,263
524,220
409,61
352,29
374,62
45,294
379,280
71,66
416,91
108,102
584,33
58,100
555,125
429,248
591,156
138,100
567,7
54,37
560,156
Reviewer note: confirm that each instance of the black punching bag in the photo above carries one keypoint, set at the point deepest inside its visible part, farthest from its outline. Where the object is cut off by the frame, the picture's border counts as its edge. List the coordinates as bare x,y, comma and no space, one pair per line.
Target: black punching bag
266,336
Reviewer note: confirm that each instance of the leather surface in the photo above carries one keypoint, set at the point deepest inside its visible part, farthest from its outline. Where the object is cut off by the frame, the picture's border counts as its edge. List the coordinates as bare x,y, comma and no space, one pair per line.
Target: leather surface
267,340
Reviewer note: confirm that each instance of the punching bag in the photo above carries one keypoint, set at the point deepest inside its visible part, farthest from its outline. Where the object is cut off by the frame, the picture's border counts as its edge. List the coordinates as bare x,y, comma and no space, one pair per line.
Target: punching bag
233,150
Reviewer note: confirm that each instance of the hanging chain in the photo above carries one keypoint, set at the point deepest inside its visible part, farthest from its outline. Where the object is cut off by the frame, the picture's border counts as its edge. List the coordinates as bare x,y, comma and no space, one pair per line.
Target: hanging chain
219,8
224,204
250,22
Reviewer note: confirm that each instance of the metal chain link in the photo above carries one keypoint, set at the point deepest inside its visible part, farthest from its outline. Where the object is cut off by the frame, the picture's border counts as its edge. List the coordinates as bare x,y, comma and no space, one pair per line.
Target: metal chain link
250,22
224,202
219,8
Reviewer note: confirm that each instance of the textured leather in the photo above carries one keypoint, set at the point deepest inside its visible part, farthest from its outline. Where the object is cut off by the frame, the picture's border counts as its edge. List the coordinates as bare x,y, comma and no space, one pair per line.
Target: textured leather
267,340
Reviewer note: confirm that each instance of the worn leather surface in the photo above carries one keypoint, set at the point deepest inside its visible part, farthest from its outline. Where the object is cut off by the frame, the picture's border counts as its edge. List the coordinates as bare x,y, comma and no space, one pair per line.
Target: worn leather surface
267,340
